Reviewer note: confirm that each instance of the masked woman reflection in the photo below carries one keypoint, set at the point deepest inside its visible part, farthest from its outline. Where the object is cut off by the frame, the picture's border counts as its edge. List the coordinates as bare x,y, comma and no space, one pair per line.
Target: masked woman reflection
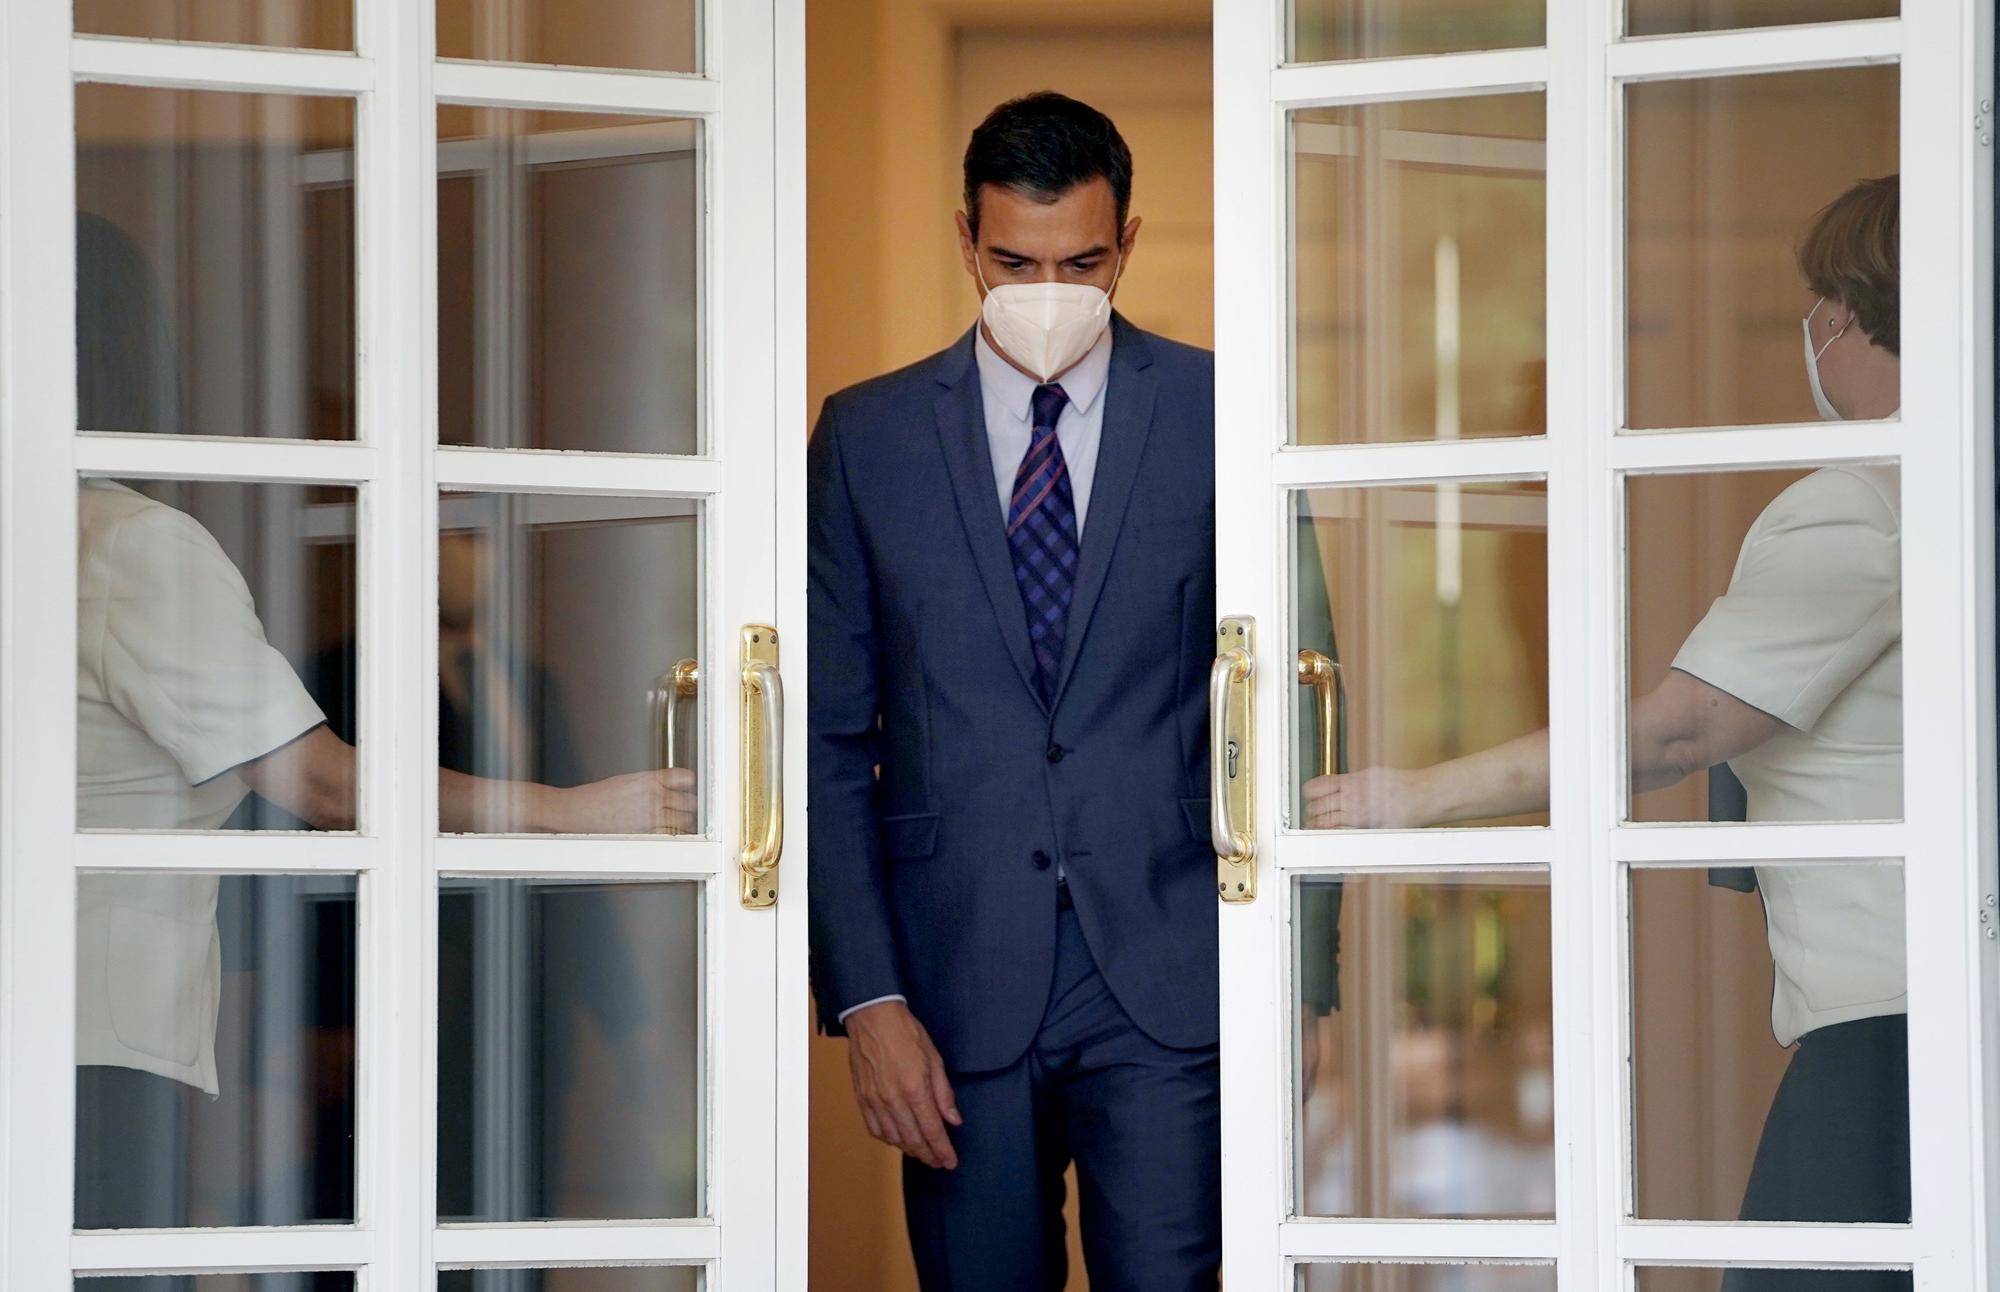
1793,678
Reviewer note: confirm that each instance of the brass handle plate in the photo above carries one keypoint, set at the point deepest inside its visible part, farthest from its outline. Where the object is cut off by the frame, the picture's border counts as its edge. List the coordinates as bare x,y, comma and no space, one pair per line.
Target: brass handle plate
674,694
763,767
1232,758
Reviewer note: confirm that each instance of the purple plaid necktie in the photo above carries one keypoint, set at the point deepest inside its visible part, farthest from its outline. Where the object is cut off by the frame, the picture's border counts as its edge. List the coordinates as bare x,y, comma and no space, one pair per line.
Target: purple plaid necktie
1041,533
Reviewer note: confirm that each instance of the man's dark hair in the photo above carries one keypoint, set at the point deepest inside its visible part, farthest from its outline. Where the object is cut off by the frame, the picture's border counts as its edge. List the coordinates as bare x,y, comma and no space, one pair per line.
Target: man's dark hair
1043,145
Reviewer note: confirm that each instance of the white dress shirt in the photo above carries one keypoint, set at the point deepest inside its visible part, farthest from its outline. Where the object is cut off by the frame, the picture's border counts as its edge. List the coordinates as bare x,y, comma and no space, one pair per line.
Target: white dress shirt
1008,395
1810,632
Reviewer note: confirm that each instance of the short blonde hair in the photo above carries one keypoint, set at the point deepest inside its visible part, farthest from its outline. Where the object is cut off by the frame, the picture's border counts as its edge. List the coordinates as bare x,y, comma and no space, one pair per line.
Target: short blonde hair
1849,254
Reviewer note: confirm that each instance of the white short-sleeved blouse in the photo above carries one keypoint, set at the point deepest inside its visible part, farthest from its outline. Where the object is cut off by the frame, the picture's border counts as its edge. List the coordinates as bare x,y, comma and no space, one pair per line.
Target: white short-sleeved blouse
1810,632
176,685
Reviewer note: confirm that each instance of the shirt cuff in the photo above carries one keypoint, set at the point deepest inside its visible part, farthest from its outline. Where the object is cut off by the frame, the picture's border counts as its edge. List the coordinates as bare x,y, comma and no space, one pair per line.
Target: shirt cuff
852,1010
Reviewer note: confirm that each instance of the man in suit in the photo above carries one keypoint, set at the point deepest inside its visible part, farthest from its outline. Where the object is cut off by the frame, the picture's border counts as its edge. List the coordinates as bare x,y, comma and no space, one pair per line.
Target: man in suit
1011,620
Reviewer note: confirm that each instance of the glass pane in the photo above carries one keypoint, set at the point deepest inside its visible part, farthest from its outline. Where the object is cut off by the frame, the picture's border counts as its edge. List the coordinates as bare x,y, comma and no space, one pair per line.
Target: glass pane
1725,178
1695,1279
289,1281
1770,1052
1325,30
1421,622
1328,1276
303,24
215,263
569,1075
215,628
1426,1046
655,1278
215,1050
1665,17
1765,656
561,619
1417,270
647,35
569,297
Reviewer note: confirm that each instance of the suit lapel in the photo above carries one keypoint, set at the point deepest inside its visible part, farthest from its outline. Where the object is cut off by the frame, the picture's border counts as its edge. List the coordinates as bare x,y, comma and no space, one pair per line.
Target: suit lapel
961,420
1128,420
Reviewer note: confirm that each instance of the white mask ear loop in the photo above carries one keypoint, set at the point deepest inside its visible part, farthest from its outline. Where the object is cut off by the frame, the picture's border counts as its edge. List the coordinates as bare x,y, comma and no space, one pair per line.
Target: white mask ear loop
1830,340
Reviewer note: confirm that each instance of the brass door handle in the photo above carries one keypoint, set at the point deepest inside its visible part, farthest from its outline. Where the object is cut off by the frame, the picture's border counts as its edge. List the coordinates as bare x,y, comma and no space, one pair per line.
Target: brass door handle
1323,675
674,693
763,767
1232,759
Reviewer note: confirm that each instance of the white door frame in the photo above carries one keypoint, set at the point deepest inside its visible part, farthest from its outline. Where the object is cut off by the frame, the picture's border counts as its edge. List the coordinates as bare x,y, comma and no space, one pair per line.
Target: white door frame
750,478
1947,836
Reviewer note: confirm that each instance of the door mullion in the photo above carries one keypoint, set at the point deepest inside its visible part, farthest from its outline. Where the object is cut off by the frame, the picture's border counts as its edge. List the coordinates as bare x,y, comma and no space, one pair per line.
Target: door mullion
37,646
1251,199
396,1161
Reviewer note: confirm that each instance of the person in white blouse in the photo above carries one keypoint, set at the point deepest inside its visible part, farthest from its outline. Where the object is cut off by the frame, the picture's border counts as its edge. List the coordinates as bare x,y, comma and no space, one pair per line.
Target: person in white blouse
183,709
1793,678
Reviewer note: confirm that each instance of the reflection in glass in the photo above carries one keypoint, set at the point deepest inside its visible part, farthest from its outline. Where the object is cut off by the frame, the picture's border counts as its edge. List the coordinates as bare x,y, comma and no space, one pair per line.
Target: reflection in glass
215,244
1329,1276
286,1281
1722,175
1425,612
300,24
215,1051
654,1278
1322,31
557,617
642,35
205,613
1417,270
568,281
1679,1278
1765,632
1769,1049
1426,1046
569,1077
1665,17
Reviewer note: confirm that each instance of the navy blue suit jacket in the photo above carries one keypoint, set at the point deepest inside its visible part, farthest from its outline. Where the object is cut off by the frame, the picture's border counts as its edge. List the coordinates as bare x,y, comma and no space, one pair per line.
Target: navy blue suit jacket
937,879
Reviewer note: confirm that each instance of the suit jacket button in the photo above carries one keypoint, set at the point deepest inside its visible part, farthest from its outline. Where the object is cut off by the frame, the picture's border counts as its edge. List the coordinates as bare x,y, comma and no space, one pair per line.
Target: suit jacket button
1041,860
1055,753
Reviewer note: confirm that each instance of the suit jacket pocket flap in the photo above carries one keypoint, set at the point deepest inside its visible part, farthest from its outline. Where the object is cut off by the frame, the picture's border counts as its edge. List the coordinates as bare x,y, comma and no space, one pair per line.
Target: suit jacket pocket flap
1196,811
907,837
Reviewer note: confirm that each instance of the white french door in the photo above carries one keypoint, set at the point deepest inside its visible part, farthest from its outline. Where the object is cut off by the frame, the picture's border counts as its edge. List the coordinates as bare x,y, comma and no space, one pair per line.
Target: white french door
426,379
1508,362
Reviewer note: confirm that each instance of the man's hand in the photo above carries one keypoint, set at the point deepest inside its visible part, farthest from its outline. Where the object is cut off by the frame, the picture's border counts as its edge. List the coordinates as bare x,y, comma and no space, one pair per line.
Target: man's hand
899,1082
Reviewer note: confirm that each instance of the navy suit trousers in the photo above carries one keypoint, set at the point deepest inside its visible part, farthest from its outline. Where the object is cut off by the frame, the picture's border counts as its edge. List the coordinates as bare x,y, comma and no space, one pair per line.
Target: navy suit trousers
1141,1121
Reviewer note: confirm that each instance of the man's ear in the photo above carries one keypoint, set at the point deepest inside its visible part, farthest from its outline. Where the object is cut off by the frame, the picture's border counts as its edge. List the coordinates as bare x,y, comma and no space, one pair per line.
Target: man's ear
1129,237
968,250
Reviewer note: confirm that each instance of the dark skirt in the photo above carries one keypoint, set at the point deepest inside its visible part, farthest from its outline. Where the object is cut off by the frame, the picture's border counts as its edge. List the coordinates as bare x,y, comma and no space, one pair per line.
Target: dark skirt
1836,1148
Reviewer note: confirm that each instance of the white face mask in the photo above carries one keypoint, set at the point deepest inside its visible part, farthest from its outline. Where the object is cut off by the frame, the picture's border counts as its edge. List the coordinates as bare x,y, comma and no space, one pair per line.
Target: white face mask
1827,412
1046,327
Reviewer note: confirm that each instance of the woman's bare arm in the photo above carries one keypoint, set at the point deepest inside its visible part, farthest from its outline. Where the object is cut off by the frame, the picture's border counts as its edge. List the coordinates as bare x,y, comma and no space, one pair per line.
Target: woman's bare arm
313,778
1680,727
